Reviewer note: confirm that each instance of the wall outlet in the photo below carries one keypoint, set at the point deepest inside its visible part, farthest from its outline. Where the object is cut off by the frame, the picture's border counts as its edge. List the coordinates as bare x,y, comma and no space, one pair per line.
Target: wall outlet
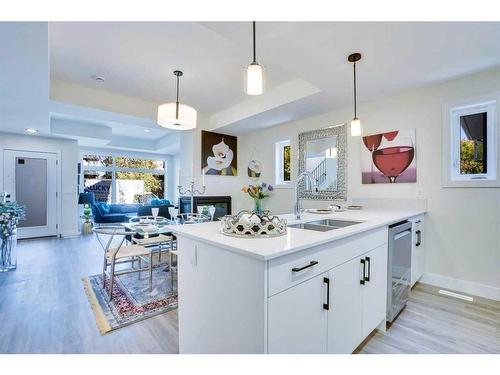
420,193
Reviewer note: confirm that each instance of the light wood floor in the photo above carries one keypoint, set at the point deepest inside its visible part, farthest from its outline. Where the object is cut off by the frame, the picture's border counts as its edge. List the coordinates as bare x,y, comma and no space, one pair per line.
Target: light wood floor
43,309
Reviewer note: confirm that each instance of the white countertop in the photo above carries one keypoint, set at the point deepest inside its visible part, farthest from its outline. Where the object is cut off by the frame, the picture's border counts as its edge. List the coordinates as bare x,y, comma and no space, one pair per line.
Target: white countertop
295,239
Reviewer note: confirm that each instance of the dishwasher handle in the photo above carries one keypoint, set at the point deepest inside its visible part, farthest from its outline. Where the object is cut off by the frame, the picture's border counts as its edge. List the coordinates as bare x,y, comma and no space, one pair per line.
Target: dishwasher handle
402,234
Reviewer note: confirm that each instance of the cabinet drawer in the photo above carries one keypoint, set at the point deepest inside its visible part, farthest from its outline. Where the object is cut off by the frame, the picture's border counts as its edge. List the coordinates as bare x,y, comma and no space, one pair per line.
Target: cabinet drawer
287,271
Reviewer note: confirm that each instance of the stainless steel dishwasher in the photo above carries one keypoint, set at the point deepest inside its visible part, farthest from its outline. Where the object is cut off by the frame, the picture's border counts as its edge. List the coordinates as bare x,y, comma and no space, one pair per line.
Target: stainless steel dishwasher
398,268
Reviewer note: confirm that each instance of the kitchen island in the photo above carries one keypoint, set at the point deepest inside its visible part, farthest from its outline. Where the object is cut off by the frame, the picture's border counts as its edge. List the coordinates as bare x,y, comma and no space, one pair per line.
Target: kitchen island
304,292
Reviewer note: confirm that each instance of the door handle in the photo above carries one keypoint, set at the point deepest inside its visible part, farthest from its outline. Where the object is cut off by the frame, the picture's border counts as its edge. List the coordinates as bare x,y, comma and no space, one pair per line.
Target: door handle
326,305
311,263
362,281
367,260
419,237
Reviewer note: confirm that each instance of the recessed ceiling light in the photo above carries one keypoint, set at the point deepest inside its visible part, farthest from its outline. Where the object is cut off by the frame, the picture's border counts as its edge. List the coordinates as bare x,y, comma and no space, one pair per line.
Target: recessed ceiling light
147,130
98,78
31,130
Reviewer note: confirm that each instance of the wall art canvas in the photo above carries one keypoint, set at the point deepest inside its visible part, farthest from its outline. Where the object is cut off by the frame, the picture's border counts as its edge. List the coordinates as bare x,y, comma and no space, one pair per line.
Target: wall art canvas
389,157
219,154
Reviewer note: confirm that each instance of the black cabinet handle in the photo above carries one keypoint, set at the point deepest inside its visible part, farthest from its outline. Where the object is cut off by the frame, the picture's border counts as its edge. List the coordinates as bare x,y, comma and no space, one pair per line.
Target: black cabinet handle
312,263
367,260
419,237
362,281
326,305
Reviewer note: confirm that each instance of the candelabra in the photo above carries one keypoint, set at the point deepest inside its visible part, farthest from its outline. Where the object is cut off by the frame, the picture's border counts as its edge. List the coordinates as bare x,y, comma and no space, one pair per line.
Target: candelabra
192,192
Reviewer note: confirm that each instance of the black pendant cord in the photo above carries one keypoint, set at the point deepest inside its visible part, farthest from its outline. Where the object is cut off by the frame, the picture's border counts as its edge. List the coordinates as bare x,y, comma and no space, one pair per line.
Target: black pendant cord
254,48
177,101
355,94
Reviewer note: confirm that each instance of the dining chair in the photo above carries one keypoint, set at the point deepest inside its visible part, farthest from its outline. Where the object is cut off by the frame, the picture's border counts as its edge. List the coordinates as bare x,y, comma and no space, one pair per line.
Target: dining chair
115,254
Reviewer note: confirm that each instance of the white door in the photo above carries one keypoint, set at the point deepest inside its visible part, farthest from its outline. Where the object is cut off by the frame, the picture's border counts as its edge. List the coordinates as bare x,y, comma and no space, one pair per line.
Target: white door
375,289
298,319
346,307
31,179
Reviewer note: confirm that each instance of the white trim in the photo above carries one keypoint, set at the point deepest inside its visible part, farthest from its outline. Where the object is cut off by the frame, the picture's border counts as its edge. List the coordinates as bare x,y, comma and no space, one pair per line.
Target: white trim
70,234
456,113
462,286
471,104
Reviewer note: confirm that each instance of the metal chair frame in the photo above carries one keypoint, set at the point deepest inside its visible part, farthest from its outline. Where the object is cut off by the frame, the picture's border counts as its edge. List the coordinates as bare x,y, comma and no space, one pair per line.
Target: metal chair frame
113,231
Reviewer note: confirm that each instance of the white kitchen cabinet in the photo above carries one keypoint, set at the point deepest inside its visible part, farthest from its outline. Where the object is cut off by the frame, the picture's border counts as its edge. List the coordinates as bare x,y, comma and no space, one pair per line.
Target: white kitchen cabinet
346,305
297,318
234,303
417,249
358,300
332,312
374,290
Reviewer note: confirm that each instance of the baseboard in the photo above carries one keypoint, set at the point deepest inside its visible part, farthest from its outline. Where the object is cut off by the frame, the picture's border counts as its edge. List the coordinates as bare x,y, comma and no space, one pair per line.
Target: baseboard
70,234
462,286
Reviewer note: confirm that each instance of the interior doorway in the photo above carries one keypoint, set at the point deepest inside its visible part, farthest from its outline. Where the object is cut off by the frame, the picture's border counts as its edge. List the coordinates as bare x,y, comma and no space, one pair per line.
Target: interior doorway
31,179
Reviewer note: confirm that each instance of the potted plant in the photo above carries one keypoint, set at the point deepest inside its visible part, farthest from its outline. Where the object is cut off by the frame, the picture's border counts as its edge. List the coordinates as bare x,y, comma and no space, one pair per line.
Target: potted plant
10,214
258,193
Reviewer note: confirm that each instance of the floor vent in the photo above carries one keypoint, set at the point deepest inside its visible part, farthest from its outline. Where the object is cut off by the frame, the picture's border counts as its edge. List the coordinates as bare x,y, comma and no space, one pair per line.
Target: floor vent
456,295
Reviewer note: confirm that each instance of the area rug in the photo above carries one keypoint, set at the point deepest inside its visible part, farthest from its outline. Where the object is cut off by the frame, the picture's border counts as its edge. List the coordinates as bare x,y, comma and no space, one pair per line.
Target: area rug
132,301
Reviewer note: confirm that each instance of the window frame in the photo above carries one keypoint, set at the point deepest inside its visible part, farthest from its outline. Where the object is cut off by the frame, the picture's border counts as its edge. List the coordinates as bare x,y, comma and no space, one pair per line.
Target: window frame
113,168
452,112
279,147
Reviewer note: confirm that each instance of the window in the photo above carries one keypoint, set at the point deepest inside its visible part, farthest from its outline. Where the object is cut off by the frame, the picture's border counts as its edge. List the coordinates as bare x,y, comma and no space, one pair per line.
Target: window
120,179
473,143
282,163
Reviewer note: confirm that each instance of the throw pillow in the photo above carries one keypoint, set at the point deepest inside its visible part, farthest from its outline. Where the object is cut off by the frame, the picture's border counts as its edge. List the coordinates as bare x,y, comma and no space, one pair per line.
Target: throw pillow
103,208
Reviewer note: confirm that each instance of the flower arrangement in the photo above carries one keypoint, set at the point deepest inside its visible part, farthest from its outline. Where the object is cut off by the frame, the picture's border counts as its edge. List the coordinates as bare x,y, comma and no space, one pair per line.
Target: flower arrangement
10,215
258,193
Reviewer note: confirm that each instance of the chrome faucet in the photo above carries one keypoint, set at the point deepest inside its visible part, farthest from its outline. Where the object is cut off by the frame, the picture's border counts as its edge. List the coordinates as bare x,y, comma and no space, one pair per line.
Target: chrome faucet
297,208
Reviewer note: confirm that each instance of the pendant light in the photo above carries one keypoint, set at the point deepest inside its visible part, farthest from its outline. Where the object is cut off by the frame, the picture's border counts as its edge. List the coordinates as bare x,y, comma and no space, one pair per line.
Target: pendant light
355,123
176,115
255,73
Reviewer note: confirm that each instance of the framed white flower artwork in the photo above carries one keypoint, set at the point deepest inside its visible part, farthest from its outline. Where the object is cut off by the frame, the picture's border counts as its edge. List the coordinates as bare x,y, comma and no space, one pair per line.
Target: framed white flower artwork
219,154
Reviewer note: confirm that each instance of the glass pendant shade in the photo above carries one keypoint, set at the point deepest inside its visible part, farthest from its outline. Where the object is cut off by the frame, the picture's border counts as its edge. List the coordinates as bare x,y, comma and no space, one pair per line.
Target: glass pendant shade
185,119
255,79
355,127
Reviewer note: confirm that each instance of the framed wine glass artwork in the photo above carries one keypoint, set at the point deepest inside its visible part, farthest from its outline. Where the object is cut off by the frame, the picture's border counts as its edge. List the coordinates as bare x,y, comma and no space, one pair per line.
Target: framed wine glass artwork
389,157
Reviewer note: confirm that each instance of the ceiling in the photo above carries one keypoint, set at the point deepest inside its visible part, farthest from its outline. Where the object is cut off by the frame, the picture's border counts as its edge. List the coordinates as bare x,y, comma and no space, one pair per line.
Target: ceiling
137,60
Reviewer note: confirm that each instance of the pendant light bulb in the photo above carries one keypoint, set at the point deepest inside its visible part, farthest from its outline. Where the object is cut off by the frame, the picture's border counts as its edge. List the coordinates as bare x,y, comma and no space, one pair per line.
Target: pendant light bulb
254,77
355,127
355,123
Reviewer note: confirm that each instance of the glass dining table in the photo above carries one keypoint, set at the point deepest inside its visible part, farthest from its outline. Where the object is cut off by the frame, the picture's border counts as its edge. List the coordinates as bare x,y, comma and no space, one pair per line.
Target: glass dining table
155,231
147,226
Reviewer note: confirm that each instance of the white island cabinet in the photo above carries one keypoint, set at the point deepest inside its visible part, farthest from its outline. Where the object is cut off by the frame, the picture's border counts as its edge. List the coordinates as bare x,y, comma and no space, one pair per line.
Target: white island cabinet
305,292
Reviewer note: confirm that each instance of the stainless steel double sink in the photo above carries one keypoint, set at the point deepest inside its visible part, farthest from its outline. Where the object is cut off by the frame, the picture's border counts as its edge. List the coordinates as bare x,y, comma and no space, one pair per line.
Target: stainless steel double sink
324,225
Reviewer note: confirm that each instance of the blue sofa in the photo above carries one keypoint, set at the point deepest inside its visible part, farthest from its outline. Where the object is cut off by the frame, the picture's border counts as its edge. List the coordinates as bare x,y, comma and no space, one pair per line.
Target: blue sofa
113,213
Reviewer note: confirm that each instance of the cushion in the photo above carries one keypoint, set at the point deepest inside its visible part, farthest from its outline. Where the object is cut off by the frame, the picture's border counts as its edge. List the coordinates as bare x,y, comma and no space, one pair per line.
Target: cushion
103,208
159,202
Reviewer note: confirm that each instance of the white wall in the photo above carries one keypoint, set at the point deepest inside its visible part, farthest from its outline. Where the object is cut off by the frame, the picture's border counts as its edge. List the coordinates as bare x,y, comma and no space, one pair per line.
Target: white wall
462,225
69,160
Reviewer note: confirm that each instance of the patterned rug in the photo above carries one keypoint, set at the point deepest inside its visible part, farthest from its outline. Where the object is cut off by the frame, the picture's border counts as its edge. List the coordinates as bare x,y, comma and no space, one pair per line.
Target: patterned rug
132,301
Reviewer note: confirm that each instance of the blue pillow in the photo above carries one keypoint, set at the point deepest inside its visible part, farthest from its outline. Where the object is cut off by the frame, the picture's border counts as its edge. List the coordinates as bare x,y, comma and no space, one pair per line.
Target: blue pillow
103,208
159,202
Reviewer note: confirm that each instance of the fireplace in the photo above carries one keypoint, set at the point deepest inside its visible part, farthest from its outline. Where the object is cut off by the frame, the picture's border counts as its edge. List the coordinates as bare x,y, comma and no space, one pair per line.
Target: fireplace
222,205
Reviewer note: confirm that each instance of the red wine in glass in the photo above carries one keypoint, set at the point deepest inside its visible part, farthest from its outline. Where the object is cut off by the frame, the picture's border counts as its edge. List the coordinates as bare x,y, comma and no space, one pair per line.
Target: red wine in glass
372,142
392,161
